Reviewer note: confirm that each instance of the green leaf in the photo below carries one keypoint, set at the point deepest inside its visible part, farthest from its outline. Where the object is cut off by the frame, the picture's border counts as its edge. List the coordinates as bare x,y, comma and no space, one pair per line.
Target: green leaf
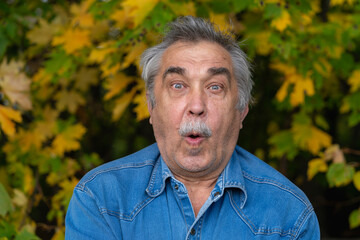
283,144
272,11
354,119
220,6
3,43
7,230
58,60
340,174
5,201
354,219
25,235
242,5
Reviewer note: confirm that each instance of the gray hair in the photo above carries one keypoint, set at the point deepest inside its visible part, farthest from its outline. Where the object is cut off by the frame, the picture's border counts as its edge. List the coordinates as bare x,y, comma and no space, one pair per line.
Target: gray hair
194,29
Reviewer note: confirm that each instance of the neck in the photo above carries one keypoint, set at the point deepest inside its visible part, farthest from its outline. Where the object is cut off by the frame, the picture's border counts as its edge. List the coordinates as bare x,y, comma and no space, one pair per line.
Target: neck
198,190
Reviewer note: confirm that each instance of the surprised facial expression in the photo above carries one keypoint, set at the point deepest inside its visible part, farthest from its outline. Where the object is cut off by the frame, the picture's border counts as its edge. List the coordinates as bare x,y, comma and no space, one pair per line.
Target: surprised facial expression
195,119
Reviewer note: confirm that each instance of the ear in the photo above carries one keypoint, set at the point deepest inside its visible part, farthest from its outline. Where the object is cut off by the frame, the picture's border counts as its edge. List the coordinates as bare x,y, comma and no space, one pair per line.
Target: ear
149,106
243,114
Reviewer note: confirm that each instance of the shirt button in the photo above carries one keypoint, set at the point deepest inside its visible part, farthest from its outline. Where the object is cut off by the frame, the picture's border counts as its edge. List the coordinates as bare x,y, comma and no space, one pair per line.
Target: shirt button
216,194
176,187
192,232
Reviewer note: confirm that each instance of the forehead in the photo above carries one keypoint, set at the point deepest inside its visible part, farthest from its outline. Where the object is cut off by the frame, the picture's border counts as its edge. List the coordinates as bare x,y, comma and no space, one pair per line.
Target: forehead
187,54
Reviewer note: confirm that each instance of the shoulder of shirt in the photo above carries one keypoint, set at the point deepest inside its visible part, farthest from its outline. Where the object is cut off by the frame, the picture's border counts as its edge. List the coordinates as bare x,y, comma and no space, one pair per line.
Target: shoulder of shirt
145,158
257,171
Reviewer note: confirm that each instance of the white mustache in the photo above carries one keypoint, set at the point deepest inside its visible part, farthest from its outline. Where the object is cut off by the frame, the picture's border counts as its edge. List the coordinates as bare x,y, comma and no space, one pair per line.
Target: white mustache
195,127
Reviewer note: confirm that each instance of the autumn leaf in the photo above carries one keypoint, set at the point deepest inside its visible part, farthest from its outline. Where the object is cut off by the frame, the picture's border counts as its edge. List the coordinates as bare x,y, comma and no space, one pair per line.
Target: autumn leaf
302,85
85,78
282,22
121,104
43,33
116,84
133,55
315,166
15,84
139,9
141,108
7,116
98,54
356,180
310,138
109,69
182,8
263,46
81,15
354,80
68,100
68,139
73,39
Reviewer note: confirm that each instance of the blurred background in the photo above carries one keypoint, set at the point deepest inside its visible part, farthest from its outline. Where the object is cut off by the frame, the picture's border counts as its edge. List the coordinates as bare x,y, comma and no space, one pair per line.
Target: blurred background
71,98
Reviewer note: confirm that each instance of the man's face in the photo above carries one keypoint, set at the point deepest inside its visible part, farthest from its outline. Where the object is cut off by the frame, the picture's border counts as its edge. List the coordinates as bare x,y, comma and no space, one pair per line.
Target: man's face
196,84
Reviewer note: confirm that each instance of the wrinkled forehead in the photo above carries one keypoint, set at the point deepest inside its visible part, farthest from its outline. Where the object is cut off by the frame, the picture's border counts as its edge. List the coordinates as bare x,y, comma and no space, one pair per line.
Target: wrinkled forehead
188,54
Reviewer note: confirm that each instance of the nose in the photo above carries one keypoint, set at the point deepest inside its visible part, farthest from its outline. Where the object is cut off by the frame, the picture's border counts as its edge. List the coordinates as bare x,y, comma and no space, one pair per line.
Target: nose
197,103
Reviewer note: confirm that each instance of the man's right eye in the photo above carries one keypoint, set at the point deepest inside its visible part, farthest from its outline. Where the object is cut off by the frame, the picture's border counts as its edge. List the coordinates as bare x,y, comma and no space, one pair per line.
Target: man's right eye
177,85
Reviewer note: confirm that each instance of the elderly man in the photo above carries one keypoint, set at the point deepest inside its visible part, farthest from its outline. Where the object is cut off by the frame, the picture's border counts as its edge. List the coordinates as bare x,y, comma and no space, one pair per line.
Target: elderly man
194,183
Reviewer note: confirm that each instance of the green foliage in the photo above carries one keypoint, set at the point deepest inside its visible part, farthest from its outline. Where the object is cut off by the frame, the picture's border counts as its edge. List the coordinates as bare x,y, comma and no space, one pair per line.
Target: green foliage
71,96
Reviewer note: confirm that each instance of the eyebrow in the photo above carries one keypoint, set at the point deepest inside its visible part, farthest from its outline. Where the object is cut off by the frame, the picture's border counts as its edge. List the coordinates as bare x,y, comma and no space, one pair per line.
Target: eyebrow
220,71
213,71
177,70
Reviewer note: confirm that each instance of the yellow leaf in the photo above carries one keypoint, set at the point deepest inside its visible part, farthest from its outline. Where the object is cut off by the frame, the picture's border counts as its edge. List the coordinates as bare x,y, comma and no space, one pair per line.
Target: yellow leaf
68,140
315,166
41,77
282,22
81,15
73,39
7,115
310,138
28,181
323,67
122,18
116,85
263,45
30,138
302,87
354,80
15,84
121,104
141,109
182,8
108,69
59,234
86,77
19,198
319,139
356,180
68,100
220,20
283,91
133,55
139,9
98,54
43,33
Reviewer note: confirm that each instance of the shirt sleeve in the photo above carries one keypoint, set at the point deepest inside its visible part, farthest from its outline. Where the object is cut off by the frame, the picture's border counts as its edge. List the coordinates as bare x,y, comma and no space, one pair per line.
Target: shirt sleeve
84,219
310,229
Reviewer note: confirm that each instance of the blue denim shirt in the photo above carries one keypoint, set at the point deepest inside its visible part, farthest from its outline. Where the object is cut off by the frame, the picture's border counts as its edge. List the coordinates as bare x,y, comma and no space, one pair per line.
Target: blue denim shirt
137,197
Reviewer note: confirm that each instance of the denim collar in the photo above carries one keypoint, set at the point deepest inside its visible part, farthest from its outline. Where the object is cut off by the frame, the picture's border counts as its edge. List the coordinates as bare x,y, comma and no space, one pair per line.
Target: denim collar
231,177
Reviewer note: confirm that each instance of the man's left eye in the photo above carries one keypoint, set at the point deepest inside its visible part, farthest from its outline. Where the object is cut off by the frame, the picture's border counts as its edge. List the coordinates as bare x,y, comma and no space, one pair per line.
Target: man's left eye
215,87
